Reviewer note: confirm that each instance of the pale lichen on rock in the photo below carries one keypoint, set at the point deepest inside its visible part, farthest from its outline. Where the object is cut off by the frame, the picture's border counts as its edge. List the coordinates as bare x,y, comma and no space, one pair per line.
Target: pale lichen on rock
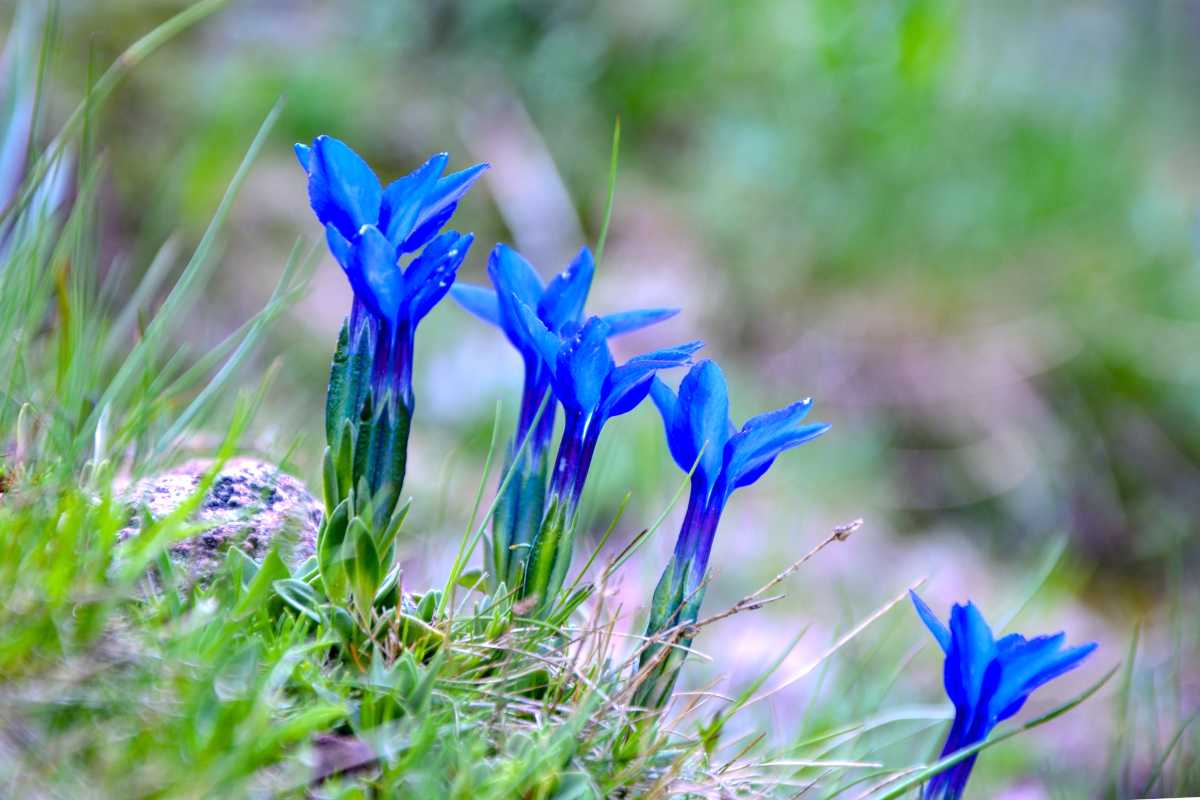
251,504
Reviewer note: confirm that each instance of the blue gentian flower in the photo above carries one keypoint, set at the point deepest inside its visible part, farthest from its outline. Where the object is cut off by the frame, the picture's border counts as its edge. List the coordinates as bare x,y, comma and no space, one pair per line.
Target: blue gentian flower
988,680
592,389
700,434
721,459
369,228
559,306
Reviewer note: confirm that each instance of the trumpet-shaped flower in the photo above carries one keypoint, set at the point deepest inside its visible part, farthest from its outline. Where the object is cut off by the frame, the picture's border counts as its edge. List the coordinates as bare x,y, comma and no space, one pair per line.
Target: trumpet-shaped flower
721,459
700,434
592,389
559,307
345,194
988,680
369,228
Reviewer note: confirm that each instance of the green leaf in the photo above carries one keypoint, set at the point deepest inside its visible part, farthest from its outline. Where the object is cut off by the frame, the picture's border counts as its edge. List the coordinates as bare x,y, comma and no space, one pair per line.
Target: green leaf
300,596
259,590
342,623
427,605
362,444
544,557
385,596
419,698
361,359
551,558
472,579
339,384
309,571
343,461
612,190
363,566
240,566
397,447
330,558
385,543
329,481
667,596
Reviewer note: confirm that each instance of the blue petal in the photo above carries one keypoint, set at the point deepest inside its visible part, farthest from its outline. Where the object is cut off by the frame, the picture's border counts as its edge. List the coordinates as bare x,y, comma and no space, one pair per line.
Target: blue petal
431,274
972,649
563,300
481,302
404,199
513,276
667,357
427,230
780,418
441,202
15,138
517,284
583,365
338,246
541,341
629,389
757,463
373,265
424,267
752,450
939,631
343,252
302,152
668,407
451,188
342,189
626,387
627,321
1029,665
704,401
629,384
438,203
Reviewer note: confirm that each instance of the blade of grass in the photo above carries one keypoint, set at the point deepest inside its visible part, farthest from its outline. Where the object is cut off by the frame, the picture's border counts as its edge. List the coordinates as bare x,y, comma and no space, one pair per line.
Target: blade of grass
841,642
471,539
284,291
467,544
612,191
125,63
1157,772
1116,757
600,544
198,269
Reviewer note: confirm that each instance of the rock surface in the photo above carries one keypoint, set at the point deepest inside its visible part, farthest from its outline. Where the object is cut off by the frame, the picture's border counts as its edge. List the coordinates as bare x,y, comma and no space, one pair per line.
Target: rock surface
250,505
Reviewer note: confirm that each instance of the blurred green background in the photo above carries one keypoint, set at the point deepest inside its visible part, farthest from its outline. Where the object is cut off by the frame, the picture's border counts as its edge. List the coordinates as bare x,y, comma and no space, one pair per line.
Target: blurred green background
967,229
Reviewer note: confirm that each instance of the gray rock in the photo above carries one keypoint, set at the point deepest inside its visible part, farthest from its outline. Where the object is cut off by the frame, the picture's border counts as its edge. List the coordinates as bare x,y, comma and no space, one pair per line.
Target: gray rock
250,505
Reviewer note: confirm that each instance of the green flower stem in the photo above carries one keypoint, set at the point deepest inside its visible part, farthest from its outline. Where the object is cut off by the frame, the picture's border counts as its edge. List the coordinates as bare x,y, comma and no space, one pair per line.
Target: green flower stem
674,604
516,519
550,555
365,459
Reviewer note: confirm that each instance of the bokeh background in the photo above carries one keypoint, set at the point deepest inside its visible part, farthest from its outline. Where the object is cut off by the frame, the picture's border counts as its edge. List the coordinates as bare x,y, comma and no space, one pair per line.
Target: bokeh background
969,230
